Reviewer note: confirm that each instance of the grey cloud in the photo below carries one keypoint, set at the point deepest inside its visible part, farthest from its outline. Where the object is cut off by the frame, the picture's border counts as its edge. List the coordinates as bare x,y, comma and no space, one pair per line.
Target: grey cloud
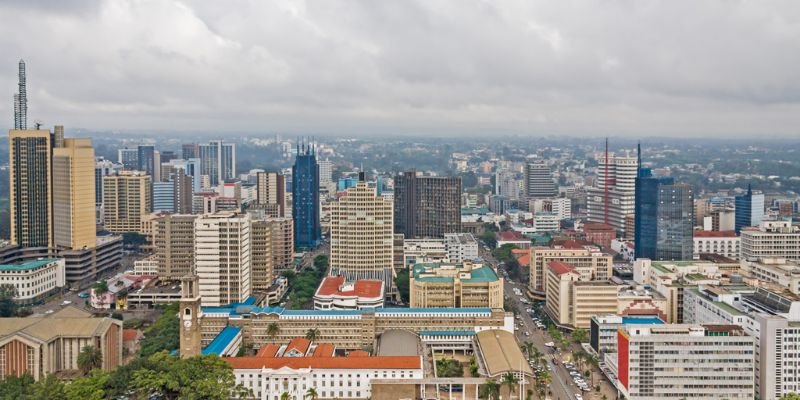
438,67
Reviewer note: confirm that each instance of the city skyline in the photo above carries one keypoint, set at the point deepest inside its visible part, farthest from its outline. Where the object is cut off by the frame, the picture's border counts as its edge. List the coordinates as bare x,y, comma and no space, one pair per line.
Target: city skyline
357,68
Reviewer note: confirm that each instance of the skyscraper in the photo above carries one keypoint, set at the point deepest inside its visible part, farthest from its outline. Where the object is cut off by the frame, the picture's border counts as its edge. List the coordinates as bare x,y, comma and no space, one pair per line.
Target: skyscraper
102,168
222,257
190,150
305,198
182,192
21,101
129,158
145,159
362,235
749,209
30,185
217,160
127,197
426,206
74,194
325,173
173,240
271,193
664,218
539,182
617,174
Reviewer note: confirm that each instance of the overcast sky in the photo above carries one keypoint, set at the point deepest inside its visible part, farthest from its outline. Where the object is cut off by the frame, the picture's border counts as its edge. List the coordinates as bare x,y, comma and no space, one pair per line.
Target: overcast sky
630,68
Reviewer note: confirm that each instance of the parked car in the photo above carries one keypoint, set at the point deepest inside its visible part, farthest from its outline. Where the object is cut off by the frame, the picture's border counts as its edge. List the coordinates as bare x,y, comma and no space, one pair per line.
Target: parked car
83,295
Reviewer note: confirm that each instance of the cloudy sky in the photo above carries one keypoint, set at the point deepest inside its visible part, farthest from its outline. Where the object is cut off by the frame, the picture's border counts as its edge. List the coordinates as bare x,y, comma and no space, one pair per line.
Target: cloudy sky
434,67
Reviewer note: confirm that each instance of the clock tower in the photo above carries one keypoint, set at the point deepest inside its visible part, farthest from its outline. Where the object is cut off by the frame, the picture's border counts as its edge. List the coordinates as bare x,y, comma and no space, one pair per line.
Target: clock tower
190,314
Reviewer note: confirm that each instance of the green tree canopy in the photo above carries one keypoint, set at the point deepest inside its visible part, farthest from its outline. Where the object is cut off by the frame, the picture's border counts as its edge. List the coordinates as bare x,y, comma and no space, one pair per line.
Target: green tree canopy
164,334
203,377
8,308
90,358
402,281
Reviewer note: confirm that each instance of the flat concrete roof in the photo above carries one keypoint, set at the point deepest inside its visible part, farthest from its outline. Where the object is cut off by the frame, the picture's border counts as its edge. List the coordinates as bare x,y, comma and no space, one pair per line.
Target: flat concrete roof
397,343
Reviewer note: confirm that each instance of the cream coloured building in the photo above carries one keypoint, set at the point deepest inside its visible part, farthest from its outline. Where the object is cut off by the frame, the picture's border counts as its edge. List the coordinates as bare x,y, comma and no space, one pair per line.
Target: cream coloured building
222,257
74,194
772,239
127,198
361,233
34,280
173,242
455,285
588,261
261,259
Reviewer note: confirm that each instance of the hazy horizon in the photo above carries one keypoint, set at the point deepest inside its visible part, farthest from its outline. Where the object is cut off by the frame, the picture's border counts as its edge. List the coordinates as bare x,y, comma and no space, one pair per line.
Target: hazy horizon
644,69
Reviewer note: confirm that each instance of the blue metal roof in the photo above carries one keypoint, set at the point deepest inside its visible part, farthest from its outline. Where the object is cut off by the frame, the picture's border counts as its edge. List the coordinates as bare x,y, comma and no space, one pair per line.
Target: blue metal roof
642,320
322,312
218,345
216,310
447,333
282,311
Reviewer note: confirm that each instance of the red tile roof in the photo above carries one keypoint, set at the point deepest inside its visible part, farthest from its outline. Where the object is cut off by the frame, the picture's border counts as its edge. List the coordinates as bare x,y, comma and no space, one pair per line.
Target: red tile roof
268,350
358,353
712,234
361,288
130,335
572,244
380,362
299,344
560,267
597,227
509,236
324,350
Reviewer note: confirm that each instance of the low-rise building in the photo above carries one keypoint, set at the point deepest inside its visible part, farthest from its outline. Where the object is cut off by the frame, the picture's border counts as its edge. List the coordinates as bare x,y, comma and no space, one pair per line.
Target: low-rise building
336,294
603,330
34,281
723,243
40,346
146,266
455,285
417,251
685,361
461,247
779,271
772,239
589,261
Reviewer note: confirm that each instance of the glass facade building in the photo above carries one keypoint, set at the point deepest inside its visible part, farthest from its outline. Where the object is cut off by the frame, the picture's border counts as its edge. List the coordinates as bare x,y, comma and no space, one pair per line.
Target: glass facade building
664,218
305,199
749,210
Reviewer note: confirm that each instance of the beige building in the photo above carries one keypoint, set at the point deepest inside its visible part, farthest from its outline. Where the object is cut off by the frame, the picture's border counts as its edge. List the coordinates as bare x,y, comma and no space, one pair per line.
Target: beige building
588,261
74,194
222,257
271,193
261,259
282,244
30,194
47,345
127,198
173,242
455,285
362,236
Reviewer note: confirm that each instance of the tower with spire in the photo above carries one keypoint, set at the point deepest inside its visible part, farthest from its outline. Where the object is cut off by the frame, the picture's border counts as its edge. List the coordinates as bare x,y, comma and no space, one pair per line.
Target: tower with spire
21,101
305,197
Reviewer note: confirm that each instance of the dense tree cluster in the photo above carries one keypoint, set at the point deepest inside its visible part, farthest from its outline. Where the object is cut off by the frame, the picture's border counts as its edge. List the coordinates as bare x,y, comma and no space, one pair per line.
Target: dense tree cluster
305,284
164,334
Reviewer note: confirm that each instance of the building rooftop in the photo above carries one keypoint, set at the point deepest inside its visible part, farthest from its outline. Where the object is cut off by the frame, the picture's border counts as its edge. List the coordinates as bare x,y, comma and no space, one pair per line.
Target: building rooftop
501,353
336,286
560,267
218,345
29,265
642,320
370,363
714,234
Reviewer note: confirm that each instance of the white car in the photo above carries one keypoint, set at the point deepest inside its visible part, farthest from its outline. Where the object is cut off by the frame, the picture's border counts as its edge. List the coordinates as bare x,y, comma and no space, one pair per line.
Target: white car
66,302
578,396
48,312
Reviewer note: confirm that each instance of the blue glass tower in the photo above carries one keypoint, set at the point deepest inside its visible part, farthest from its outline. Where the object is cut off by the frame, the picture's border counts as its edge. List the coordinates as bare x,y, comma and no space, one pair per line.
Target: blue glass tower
305,198
749,210
664,217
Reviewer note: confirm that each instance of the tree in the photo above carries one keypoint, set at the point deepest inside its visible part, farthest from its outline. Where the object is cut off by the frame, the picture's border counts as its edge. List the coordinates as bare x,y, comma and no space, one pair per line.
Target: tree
528,348
272,330
90,358
202,377
48,388
90,387
16,387
791,396
403,286
510,380
579,335
490,390
8,308
133,240
100,288
312,334
311,394
164,334
286,396
449,368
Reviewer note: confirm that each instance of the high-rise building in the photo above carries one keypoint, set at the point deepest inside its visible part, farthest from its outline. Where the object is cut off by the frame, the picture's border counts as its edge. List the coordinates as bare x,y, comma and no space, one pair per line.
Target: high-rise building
182,192
190,150
426,206
74,194
361,236
305,198
127,197
282,237
685,361
749,209
222,258
618,173
772,239
588,262
218,161
664,218
261,259
325,173
173,240
539,183
163,197
146,159
507,185
129,158
30,193
271,193
103,168
21,101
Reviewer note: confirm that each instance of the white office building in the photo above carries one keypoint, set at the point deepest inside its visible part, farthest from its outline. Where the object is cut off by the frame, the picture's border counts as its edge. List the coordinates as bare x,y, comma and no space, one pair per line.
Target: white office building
778,239
460,247
34,280
222,257
621,177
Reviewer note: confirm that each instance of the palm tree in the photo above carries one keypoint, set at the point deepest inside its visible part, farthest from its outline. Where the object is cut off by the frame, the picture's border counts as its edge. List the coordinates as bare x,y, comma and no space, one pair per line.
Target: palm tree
312,334
490,390
272,330
528,348
90,358
510,380
579,335
286,396
311,394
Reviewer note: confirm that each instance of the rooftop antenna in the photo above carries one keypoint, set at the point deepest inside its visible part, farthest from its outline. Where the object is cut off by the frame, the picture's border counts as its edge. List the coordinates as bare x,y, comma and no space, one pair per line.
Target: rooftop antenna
21,100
